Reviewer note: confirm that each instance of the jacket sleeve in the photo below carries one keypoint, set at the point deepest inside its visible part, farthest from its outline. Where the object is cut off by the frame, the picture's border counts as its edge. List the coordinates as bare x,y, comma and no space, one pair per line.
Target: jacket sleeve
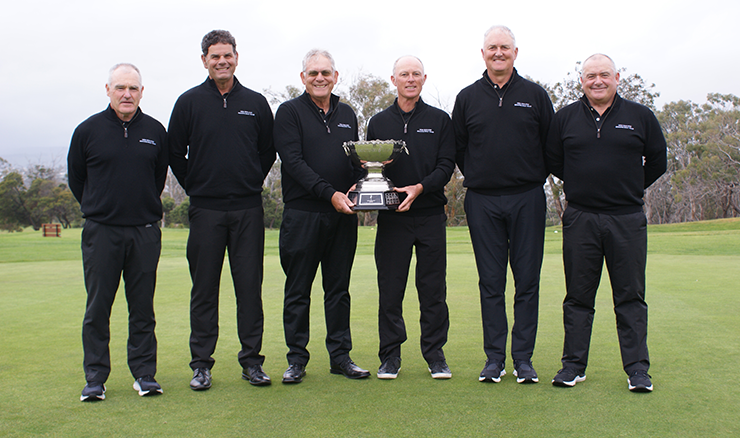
554,147
178,137
77,164
445,165
265,144
654,151
289,145
163,159
461,133
546,114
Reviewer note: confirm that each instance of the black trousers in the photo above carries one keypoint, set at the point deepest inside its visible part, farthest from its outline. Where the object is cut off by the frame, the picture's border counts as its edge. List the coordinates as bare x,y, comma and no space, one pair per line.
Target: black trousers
621,240
503,228
211,233
308,239
395,240
108,251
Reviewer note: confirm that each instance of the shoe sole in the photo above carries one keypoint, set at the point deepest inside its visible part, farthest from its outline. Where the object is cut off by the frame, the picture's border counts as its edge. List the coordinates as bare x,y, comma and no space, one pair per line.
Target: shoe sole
200,387
267,382
570,383
525,379
92,398
387,376
441,376
639,388
294,381
359,376
142,393
492,379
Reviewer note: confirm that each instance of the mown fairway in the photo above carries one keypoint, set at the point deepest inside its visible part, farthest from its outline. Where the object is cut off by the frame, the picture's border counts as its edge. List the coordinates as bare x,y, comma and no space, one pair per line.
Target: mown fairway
693,338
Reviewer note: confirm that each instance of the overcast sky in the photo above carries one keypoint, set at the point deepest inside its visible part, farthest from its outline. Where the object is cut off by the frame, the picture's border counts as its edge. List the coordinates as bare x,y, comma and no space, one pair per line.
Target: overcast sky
58,52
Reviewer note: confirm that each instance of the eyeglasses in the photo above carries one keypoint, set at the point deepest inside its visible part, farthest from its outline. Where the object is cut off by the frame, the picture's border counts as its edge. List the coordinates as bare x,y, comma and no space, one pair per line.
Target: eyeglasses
314,73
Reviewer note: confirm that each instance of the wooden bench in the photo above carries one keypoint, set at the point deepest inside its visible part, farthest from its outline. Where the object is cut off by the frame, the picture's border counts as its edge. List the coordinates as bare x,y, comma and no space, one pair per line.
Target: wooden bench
52,230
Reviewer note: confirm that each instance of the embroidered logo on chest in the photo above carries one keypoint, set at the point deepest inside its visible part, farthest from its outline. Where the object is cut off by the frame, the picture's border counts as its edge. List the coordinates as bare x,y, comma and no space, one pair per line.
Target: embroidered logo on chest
147,141
246,113
622,126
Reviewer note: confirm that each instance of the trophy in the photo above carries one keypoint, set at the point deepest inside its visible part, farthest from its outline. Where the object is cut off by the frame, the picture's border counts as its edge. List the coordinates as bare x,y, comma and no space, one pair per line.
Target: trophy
374,191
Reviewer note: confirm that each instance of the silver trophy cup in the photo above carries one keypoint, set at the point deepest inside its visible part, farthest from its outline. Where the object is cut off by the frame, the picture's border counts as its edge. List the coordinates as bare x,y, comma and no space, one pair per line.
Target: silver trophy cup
374,191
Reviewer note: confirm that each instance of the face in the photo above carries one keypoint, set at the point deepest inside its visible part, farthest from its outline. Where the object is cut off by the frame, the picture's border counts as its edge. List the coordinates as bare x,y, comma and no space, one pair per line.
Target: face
125,91
599,80
319,78
409,77
499,52
221,62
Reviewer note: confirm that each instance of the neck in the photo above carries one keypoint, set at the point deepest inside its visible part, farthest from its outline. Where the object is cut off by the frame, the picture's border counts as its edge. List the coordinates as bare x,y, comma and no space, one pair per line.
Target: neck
406,104
324,103
601,107
500,78
224,86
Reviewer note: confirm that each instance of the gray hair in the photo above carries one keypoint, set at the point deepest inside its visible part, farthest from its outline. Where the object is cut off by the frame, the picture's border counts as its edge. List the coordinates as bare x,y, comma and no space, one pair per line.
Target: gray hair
596,55
407,56
502,28
123,65
318,52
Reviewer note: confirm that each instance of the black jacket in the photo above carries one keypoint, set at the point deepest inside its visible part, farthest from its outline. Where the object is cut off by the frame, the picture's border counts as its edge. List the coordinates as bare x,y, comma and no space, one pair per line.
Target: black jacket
603,169
431,144
314,164
501,149
221,146
117,169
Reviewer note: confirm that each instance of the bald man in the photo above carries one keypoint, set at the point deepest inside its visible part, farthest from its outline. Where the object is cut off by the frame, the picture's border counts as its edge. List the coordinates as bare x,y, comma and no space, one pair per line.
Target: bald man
117,165
607,150
419,222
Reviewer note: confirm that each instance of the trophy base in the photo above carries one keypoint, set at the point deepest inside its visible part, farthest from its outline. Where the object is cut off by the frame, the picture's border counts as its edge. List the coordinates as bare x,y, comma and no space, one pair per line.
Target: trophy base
366,200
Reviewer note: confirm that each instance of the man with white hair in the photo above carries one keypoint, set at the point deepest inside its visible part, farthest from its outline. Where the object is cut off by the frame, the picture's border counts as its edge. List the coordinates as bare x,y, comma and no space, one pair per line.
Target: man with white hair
501,123
318,226
419,221
607,150
117,166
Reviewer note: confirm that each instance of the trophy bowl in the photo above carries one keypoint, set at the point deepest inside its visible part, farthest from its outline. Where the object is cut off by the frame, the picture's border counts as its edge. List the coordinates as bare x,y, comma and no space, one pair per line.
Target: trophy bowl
374,191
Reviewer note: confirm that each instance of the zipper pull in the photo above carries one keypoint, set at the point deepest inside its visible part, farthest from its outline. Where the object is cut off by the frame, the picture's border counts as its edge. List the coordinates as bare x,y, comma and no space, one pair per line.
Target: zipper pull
598,133
404,128
500,101
125,131
224,102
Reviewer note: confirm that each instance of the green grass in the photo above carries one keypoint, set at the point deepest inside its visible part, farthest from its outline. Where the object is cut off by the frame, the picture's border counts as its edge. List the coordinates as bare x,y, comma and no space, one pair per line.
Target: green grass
692,292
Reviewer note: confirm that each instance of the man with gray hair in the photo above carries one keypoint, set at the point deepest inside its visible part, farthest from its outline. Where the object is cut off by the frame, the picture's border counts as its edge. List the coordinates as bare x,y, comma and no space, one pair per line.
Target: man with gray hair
221,150
501,123
117,166
607,150
318,226
419,222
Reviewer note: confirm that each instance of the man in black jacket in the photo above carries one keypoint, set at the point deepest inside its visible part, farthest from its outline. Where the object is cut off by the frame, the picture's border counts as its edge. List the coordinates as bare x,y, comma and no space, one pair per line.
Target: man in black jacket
318,226
117,165
221,150
607,150
501,123
419,221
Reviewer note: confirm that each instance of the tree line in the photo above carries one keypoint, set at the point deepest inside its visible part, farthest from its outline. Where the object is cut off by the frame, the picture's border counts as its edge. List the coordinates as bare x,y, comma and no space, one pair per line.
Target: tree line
701,182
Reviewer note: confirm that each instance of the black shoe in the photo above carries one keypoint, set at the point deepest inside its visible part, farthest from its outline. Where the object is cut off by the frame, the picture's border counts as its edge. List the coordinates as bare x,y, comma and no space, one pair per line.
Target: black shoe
440,370
492,372
390,368
568,377
93,391
349,369
639,381
147,386
201,379
294,373
524,372
256,376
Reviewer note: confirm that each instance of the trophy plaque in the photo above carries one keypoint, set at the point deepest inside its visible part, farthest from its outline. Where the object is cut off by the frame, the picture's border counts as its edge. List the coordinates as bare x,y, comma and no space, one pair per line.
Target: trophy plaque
374,191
